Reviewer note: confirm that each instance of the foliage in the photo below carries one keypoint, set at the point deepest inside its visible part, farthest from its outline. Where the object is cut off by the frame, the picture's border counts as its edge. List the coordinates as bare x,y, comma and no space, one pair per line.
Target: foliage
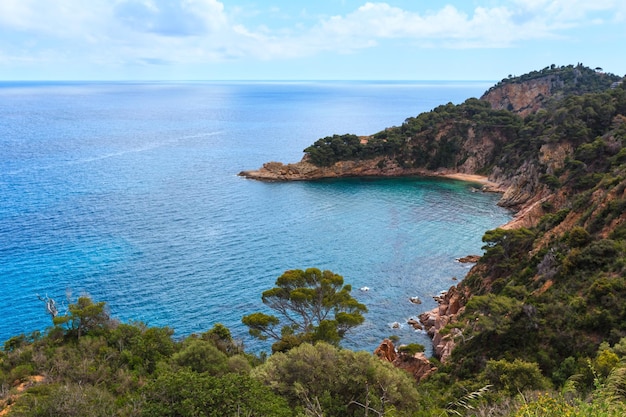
505,248
467,402
328,150
65,400
341,382
110,369
201,357
84,316
551,181
411,349
313,305
516,376
189,394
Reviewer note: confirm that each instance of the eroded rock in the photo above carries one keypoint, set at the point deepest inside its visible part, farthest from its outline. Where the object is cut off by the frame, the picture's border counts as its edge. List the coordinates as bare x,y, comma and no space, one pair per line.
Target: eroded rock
417,365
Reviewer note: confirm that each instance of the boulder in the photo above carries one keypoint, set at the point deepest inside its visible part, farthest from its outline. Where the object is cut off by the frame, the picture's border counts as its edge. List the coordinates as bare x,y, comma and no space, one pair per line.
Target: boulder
469,259
386,351
415,323
417,365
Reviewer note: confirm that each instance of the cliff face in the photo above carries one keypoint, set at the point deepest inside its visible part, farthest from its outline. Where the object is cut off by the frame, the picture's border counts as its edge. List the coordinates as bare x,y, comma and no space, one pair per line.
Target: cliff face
527,94
523,98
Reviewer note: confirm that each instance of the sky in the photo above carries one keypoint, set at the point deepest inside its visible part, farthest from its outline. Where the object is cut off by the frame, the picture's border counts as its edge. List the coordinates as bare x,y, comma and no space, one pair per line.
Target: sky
306,40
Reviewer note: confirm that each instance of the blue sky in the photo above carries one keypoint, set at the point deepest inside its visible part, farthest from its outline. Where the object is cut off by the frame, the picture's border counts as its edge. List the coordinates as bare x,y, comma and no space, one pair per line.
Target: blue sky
313,40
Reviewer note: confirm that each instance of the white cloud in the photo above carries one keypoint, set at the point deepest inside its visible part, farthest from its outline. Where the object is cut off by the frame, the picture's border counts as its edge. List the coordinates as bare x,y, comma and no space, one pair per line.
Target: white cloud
563,11
158,32
447,27
61,18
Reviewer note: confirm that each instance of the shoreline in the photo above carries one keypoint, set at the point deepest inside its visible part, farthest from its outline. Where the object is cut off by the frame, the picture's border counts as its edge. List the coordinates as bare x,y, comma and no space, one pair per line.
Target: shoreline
480,179
305,171
382,168
452,302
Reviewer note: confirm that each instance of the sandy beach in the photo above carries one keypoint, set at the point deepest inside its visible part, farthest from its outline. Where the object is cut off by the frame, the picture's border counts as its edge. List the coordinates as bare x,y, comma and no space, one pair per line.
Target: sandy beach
480,179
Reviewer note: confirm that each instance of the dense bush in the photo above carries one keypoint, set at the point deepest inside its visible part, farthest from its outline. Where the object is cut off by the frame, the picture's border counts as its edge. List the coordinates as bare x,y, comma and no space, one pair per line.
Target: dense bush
335,382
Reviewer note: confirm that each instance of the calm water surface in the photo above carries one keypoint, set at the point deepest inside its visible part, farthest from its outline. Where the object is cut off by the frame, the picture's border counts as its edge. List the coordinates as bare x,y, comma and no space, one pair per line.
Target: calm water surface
129,192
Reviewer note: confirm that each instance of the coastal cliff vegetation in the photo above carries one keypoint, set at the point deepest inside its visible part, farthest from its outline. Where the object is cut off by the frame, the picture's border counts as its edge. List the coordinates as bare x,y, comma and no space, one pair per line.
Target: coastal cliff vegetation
537,328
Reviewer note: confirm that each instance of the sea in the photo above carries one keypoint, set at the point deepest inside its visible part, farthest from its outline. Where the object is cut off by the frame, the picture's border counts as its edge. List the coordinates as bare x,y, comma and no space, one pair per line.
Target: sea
128,192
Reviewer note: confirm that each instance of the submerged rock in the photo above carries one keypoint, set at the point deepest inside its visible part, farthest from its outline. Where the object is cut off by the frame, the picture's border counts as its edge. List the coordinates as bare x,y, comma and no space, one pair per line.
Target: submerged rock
415,300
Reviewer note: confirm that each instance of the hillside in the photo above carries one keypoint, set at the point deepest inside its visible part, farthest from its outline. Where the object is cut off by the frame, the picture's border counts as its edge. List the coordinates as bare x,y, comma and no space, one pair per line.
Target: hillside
537,327
550,292
562,167
516,153
549,289
530,92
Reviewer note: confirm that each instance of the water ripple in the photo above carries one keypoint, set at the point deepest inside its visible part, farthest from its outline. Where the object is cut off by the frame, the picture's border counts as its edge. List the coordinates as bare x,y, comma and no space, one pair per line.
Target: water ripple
132,198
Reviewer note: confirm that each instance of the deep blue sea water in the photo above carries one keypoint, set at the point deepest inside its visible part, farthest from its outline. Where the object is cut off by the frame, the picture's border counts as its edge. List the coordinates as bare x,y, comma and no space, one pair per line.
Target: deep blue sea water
129,192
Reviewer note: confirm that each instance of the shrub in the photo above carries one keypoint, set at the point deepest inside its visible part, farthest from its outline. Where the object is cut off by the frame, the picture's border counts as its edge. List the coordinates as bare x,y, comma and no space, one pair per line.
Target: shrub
411,349
551,181
578,237
516,376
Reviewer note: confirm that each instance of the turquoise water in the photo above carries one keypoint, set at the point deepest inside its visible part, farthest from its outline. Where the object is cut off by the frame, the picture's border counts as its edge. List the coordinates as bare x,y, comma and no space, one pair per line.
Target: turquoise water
129,192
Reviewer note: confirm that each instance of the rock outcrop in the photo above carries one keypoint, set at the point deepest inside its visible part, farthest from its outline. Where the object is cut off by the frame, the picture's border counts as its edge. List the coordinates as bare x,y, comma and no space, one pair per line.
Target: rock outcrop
451,304
531,92
306,171
522,98
417,365
469,259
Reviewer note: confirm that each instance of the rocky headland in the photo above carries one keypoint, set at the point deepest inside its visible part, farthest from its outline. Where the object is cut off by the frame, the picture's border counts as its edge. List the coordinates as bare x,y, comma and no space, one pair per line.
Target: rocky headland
509,142
376,167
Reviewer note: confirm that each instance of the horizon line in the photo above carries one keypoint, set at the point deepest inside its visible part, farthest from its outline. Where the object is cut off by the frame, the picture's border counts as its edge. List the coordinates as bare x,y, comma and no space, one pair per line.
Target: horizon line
260,80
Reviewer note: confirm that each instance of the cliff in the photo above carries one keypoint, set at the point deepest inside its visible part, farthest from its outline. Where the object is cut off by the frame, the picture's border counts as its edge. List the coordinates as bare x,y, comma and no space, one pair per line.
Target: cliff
522,98
485,137
549,284
533,91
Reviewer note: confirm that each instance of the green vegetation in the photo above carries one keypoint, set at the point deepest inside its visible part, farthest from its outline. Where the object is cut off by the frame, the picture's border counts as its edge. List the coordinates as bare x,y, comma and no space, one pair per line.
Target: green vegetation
328,150
132,370
567,80
88,364
542,331
314,306
420,141
324,380
580,111
411,349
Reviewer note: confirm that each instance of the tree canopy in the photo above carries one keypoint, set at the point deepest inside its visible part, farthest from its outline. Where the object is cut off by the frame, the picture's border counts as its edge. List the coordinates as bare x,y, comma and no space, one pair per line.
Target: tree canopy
84,316
313,305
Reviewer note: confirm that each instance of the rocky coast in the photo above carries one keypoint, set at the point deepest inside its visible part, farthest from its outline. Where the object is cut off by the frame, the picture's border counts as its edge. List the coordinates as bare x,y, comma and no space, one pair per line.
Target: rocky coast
486,135
451,302
376,167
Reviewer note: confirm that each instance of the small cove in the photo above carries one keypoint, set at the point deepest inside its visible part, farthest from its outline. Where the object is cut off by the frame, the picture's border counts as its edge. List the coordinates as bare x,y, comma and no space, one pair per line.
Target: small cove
129,193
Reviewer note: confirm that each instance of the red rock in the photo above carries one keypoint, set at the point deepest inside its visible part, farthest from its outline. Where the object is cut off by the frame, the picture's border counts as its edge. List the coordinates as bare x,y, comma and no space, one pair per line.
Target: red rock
417,365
